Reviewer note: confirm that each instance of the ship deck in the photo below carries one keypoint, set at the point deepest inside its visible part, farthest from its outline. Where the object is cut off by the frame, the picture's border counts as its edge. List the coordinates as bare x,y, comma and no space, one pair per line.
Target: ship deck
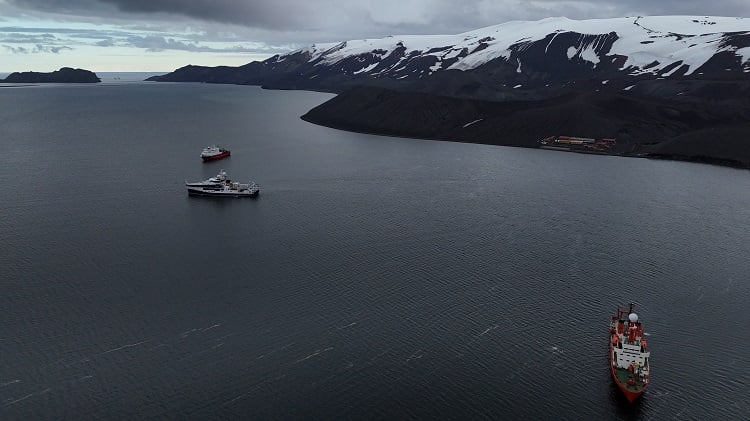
622,378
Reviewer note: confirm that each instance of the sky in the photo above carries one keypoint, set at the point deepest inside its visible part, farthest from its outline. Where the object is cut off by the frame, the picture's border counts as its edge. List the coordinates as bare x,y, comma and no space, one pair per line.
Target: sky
163,35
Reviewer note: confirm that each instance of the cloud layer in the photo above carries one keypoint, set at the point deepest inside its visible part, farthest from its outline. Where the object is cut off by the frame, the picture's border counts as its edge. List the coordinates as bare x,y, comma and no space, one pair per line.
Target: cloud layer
265,27
347,17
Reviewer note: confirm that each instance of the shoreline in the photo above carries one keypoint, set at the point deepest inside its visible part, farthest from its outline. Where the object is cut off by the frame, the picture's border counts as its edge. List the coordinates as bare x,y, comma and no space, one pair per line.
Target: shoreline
724,163
640,127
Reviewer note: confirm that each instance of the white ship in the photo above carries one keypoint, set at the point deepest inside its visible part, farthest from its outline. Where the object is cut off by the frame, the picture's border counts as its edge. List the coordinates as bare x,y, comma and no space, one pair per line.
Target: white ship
222,186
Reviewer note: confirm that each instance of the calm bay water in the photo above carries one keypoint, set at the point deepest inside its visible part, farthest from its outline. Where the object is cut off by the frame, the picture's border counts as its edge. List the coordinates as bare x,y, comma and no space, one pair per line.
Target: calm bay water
374,278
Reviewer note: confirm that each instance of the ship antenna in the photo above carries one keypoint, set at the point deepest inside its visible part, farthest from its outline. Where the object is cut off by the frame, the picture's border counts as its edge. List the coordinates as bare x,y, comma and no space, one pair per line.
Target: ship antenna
631,308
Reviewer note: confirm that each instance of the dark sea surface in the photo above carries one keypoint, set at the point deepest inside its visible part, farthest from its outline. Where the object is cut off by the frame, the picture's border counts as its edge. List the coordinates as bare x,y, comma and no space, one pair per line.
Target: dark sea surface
374,277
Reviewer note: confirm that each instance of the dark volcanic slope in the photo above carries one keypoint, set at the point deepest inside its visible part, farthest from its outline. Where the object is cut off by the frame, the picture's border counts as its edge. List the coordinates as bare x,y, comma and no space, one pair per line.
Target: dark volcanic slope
723,145
683,130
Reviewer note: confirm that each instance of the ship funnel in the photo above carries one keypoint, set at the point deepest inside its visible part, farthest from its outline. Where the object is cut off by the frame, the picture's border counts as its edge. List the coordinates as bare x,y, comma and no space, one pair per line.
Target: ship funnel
633,317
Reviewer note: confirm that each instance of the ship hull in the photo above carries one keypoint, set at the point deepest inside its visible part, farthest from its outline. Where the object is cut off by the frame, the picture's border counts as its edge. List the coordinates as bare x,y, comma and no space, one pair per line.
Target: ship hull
222,193
221,155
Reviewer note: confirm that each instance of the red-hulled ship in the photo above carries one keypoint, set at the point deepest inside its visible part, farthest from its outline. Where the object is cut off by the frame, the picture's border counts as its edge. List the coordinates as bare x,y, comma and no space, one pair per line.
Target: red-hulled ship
628,353
214,152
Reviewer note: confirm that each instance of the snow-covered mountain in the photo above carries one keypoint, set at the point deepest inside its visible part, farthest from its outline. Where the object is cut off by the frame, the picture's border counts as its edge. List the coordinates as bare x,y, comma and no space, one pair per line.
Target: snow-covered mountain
550,52
664,45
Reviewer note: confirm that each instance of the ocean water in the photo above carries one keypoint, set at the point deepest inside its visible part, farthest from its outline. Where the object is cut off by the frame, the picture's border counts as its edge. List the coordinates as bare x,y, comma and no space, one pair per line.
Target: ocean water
374,277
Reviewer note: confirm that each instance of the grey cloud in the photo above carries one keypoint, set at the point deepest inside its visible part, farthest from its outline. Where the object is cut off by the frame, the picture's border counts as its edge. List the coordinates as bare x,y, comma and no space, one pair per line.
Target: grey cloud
739,8
21,38
16,50
316,15
284,14
260,13
78,33
297,22
156,43
52,42
49,49
39,48
153,43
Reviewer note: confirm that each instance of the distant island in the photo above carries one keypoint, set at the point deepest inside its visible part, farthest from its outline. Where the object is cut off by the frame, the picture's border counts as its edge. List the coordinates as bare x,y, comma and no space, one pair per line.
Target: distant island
64,75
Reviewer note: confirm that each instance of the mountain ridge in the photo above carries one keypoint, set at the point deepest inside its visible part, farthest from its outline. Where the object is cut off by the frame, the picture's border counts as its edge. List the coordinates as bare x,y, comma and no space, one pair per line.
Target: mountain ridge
551,53
699,65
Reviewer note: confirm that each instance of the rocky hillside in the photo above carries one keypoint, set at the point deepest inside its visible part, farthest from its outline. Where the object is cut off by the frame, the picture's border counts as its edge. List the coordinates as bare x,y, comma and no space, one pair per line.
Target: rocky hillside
642,126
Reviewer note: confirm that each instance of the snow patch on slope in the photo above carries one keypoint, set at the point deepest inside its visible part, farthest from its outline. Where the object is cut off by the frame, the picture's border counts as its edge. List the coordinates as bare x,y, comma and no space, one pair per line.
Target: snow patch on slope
744,53
367,68
472,122
589,54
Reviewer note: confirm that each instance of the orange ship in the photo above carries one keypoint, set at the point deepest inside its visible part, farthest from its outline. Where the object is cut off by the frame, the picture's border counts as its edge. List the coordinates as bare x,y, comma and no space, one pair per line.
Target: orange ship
628,354
213,152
